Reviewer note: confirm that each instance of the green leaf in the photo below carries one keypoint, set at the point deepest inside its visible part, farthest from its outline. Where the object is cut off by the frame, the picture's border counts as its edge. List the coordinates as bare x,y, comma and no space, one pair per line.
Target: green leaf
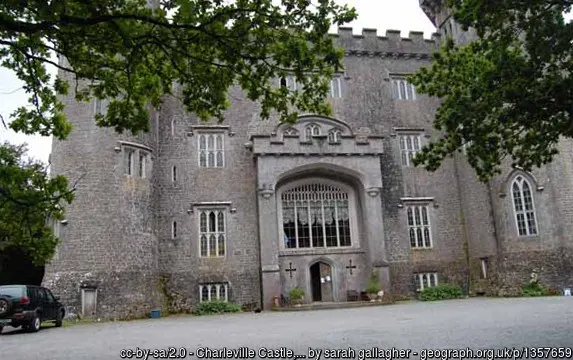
507,95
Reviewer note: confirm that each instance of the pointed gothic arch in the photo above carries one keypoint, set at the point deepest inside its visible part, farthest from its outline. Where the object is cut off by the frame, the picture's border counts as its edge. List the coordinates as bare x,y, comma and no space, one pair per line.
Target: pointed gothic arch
310,130
523,205
334,135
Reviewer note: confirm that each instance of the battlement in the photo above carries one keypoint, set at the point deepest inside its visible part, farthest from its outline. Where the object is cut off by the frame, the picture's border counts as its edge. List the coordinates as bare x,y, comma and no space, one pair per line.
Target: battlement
369,43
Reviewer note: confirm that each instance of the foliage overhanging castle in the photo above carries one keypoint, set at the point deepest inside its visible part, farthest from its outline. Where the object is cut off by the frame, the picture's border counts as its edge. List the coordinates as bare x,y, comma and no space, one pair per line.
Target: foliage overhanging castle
247,210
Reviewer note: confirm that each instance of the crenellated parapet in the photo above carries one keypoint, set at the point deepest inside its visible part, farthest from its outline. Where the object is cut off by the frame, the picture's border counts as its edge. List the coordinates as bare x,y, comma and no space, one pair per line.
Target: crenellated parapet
393,45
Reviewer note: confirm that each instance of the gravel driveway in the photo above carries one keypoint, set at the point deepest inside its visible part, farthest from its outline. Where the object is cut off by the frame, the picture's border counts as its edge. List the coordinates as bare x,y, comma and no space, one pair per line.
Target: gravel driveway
410,328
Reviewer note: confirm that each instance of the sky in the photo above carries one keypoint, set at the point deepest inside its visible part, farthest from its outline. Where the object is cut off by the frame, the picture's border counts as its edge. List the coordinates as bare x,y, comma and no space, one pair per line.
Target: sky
403,15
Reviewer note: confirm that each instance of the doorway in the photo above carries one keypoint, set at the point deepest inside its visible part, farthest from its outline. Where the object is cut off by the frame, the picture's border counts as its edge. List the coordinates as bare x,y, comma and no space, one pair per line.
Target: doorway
321,282
89,302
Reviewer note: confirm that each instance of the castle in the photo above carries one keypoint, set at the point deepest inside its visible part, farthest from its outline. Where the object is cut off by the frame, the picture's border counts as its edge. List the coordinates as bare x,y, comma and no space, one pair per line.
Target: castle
246,210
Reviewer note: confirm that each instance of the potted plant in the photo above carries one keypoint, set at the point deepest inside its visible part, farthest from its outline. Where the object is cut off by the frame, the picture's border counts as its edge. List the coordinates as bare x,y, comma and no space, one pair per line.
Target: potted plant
373,287
296,296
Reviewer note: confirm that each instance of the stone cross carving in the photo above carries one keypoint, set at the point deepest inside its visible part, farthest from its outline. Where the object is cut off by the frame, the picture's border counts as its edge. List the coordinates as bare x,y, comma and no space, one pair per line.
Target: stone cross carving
350,266
290,269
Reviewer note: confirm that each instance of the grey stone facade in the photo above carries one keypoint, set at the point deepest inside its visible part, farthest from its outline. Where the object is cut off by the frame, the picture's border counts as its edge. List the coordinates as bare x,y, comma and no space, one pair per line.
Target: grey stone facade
120,238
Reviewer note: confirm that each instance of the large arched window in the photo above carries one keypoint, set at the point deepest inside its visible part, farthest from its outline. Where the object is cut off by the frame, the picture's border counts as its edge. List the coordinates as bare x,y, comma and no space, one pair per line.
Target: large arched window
315,215
523,207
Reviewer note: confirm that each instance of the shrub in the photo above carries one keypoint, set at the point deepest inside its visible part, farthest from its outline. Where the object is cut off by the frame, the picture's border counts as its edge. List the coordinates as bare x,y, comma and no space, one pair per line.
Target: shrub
441,292
551,291
536,289
215,307
532,289
296,293
373,285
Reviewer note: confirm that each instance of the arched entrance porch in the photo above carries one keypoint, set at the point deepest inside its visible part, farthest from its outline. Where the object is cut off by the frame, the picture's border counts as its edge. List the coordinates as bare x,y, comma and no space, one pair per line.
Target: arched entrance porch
311,210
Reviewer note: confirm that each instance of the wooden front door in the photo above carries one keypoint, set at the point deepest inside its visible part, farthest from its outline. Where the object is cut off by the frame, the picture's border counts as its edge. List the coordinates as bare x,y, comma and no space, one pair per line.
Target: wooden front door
321,282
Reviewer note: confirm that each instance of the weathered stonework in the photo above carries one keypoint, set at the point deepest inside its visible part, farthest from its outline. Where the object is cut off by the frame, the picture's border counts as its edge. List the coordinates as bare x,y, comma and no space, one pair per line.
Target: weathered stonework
119,235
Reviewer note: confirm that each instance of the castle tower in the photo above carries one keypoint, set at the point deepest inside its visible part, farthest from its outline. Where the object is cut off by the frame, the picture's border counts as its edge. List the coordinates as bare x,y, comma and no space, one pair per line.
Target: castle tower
506,245
477,222
442,18
107,258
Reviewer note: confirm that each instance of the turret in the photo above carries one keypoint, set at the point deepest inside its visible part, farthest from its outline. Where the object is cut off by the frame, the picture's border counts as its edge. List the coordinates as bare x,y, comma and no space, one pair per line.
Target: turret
441,16
108,250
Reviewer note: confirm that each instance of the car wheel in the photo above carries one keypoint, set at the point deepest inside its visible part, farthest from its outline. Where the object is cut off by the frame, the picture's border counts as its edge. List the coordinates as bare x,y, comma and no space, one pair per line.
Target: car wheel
4,306
60,318
34,324
1,328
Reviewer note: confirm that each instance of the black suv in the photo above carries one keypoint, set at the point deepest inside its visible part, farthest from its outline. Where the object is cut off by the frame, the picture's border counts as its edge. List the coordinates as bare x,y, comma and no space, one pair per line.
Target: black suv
28,306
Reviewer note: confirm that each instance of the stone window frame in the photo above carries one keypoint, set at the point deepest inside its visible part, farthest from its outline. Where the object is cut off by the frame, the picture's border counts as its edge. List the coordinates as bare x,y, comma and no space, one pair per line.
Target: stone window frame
291,132
291,83
408,151
131,155
334,135
335,85
128,160
448,27
56,226
310,130
423,278
204,232
100,106
215,150
206,291
174,229
416,225
352,213
142,164
518,187
401,89
172,127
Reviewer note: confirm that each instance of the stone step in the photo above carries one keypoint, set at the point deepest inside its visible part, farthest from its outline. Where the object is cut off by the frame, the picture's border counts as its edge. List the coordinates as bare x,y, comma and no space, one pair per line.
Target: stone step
332,305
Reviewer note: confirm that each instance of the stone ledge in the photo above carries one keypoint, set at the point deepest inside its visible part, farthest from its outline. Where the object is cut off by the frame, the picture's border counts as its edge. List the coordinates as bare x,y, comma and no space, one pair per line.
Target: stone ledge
321,251
335,305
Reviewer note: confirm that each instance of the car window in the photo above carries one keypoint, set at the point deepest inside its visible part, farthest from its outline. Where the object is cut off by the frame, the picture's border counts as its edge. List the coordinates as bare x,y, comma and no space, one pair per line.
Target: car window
49,296
13,291
41,294
33,293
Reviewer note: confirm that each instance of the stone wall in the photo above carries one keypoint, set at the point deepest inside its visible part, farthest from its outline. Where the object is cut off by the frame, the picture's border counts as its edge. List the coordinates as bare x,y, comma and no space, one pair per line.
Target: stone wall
181,201
488,215
120,294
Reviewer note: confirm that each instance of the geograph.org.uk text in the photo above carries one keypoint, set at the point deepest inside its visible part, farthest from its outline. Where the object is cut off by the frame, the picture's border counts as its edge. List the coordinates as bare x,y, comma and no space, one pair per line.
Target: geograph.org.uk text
347,353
